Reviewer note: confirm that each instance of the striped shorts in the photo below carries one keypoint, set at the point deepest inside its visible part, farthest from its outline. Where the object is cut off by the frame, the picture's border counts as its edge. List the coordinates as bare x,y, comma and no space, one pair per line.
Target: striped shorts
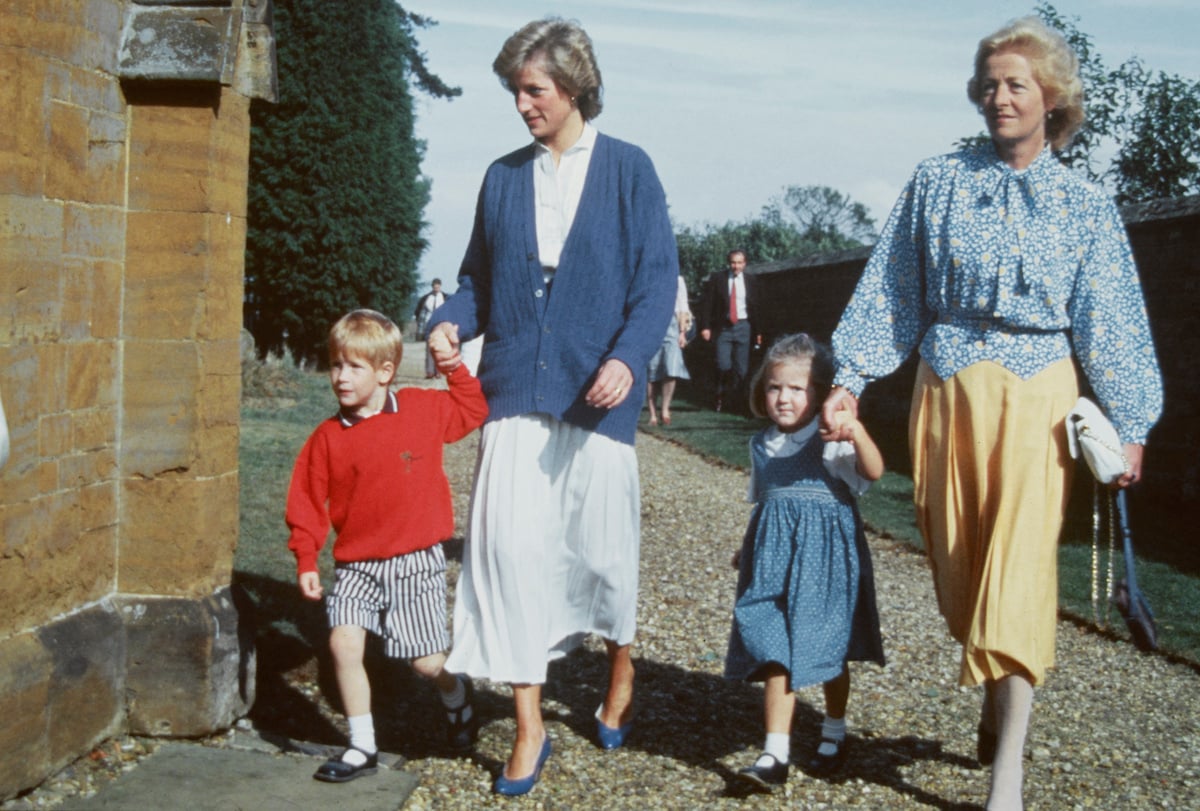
401,599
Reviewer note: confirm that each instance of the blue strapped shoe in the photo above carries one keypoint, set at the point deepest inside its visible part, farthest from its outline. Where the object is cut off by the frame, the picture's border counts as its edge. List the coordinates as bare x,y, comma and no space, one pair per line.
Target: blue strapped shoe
611,737
509,787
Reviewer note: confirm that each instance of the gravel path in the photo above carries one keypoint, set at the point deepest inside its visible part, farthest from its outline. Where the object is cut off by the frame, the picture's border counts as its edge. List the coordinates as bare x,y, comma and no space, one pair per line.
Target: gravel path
1111,729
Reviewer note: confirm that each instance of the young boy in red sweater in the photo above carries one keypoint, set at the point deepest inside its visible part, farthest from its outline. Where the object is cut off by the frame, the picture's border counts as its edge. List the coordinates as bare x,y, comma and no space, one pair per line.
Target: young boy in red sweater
374,472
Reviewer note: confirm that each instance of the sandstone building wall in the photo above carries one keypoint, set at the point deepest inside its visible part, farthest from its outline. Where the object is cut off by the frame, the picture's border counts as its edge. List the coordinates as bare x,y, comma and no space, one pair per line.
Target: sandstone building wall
122,235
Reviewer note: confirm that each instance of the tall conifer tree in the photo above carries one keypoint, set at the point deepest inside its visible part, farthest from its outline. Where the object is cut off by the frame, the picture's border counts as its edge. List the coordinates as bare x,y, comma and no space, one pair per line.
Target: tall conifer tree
336,194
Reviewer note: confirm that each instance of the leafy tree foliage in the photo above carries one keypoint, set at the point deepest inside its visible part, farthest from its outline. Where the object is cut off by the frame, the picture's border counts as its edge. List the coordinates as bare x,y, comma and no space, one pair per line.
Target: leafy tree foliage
1159,156
1141,134
825,215
336,195
802,220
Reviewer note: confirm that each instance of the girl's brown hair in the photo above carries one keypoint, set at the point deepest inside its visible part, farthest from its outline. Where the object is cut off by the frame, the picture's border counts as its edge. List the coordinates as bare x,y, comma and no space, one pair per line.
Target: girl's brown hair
796,348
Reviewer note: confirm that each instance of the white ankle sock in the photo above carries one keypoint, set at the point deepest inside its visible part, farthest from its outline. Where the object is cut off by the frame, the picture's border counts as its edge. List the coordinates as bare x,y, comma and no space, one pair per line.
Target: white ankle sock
778,746
362,736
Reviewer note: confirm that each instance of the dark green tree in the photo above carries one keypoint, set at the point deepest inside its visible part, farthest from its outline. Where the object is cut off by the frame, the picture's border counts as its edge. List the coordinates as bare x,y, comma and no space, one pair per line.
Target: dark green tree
704,249
802,221
336,194
1158,158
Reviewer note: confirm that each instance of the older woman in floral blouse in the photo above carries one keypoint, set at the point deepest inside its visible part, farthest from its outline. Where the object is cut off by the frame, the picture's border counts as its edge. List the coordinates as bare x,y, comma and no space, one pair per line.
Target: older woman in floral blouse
998,265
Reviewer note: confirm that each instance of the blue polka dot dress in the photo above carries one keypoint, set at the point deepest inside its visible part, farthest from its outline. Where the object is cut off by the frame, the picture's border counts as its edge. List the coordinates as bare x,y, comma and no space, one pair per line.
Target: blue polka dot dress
806,592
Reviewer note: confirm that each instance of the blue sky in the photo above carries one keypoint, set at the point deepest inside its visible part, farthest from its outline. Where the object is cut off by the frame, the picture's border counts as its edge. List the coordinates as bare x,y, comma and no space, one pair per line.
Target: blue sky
736,99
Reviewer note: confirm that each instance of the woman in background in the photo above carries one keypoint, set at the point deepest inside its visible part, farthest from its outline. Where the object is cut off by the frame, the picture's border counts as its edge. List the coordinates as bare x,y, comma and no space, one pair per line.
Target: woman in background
667,366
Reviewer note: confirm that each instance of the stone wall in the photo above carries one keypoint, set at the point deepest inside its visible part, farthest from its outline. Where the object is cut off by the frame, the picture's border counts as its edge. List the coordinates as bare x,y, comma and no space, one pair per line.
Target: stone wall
809,295
122,234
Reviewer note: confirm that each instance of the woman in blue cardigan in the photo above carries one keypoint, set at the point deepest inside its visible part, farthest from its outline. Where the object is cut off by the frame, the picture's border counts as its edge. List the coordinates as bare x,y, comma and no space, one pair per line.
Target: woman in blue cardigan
570,276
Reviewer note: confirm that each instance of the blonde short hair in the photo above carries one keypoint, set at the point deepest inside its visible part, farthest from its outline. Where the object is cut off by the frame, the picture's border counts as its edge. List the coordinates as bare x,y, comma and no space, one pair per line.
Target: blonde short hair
798,348
569,60
1055,68
368,335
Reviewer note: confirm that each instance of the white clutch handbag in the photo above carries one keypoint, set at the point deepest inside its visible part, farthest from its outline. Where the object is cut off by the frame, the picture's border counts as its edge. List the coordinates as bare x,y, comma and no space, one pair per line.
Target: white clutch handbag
1092,436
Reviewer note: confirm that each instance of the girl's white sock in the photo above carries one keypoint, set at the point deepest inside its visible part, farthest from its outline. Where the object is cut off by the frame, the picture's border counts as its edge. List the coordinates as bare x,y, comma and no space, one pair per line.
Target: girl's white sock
778,746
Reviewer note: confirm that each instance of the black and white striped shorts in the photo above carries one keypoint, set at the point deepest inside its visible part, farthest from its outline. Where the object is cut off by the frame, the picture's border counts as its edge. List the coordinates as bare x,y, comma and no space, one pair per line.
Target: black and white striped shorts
401,599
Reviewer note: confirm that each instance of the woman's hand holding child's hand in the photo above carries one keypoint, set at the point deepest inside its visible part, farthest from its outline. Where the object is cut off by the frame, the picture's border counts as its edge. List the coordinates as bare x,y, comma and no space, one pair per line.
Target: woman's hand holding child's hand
839,415
445,353
843,428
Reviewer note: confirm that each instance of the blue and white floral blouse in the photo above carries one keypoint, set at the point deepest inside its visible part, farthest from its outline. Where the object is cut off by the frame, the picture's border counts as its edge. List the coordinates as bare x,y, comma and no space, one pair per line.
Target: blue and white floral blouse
979,261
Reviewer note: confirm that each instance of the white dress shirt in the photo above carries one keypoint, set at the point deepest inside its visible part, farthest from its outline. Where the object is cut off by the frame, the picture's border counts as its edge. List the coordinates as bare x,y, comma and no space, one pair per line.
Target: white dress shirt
556,193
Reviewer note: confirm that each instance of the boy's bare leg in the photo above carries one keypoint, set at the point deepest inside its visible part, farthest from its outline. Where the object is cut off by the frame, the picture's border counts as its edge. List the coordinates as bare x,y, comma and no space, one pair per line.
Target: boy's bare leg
348,644
432,667
456,694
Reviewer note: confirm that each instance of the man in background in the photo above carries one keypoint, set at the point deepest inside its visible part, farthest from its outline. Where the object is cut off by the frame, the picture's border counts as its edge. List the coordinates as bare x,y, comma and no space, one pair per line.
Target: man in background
726,316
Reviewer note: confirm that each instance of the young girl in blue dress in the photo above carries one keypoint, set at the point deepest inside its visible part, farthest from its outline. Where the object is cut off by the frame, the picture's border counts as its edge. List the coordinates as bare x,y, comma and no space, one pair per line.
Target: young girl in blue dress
806,594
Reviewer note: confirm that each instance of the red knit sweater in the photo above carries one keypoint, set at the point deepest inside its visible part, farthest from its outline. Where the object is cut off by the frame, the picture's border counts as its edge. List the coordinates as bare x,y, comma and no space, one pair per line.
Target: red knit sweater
380,482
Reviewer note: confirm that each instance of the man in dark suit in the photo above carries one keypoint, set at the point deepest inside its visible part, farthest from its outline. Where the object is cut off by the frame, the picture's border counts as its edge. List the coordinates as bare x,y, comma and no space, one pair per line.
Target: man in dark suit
726,316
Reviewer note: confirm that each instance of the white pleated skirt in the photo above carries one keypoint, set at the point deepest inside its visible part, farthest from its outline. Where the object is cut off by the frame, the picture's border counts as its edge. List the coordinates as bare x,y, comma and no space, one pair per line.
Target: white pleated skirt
552,548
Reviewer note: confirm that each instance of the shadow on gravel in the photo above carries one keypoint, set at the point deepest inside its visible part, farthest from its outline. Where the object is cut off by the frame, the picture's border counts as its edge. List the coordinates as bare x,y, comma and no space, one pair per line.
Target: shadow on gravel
696,718
702,719
297,705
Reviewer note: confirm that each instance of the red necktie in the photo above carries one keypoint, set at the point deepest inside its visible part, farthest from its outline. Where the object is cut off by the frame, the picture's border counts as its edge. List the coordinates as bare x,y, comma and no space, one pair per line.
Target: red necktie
733,301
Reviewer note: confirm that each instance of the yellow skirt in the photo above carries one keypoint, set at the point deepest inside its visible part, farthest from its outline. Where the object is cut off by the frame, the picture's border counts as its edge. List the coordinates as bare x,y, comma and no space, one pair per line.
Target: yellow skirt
991,478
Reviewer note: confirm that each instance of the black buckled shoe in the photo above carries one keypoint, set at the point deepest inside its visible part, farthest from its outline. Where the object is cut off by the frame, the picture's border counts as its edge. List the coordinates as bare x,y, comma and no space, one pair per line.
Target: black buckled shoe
822,765
337,770
766,773
462,728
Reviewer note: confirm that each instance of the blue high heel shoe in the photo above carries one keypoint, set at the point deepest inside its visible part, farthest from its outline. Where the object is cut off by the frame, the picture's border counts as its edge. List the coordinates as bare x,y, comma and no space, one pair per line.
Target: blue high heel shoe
611,737
509,787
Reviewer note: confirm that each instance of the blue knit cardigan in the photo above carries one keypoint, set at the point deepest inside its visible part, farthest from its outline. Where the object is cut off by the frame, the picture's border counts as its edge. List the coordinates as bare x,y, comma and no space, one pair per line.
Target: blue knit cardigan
613,291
